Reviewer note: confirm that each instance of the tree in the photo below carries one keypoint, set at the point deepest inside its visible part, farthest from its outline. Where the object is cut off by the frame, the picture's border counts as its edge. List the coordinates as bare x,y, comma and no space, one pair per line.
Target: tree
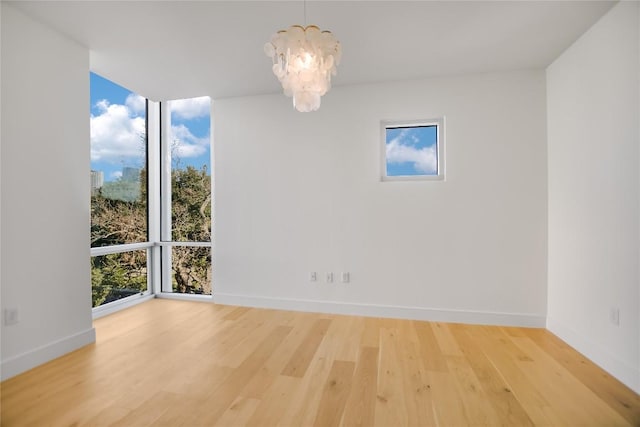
191,222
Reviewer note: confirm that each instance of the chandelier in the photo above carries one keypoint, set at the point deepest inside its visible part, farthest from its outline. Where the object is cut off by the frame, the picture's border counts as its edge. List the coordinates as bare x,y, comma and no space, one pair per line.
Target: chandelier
304,59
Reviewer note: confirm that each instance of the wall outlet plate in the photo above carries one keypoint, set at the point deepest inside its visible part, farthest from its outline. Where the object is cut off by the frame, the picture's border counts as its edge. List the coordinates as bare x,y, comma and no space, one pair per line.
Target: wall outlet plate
11,316
614,315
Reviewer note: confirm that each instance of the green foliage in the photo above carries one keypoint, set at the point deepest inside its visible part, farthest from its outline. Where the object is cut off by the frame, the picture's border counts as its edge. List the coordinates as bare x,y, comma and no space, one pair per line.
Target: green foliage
191,222
191,205
119,216
116,276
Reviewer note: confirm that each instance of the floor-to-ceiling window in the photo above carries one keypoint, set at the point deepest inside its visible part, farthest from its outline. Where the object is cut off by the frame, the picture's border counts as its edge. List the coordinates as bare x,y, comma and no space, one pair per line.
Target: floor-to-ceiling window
119,229
150,195
186,196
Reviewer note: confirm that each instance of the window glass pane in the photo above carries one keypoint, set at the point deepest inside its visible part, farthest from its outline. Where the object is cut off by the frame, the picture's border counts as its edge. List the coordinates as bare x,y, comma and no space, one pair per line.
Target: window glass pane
117,276
190,170
118,164
412,151
191,270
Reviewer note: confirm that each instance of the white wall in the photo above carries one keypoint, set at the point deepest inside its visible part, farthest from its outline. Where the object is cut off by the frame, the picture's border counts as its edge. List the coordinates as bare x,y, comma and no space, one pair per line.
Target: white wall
45,193
593,113
301,192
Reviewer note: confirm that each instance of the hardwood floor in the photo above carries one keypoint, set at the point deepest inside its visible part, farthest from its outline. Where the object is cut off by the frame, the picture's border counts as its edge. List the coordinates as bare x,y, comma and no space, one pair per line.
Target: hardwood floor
176,363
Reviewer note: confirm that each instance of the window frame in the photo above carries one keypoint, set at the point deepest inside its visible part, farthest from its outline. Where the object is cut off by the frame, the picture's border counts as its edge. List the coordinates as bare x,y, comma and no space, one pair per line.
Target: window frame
440,148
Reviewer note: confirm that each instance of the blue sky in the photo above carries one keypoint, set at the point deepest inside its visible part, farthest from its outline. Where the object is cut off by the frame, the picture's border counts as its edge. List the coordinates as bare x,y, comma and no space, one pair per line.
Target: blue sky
117,126
411,151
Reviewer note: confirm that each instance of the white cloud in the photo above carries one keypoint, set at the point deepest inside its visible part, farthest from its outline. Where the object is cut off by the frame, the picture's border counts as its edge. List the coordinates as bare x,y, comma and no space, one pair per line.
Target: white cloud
136,103
401,150
185,144
191,108
116,134
116,174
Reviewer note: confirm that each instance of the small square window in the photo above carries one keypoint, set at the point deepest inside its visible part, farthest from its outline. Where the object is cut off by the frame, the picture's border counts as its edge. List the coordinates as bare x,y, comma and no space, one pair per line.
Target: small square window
412,150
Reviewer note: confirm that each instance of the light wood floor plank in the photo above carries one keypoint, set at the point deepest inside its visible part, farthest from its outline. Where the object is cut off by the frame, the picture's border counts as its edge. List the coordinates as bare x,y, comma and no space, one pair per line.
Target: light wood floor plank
448,407
446,342
272,368
504,355
304,406
361,404
239,413
472,393
500,395
299,361
370,333
391,408
416,388
274,402
178,363
433,359
334,396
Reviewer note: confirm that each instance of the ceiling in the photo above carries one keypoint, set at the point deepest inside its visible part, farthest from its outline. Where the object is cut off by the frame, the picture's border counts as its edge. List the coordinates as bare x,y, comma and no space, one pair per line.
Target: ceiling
177,49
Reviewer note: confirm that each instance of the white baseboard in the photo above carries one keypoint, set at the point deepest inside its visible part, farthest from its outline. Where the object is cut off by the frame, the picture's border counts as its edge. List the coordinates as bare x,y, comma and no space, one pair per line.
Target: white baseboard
23,362
115,306
625,373
185,297
396,312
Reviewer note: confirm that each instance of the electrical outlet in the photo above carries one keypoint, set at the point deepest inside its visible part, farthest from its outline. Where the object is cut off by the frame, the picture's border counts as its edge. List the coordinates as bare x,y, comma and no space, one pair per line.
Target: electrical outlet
313,276
11,316
345,277
329,277
614,315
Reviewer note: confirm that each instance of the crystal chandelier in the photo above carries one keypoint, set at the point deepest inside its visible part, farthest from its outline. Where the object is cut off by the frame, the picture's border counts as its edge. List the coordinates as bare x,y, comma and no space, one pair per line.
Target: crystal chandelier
304,59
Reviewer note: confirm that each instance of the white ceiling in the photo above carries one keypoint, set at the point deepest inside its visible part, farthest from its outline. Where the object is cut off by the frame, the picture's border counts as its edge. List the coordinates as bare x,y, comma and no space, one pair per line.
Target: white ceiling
177,49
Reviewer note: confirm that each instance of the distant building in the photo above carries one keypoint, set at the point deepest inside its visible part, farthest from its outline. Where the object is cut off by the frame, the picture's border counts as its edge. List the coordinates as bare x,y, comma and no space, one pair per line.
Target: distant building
130,174
97,181
126,191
